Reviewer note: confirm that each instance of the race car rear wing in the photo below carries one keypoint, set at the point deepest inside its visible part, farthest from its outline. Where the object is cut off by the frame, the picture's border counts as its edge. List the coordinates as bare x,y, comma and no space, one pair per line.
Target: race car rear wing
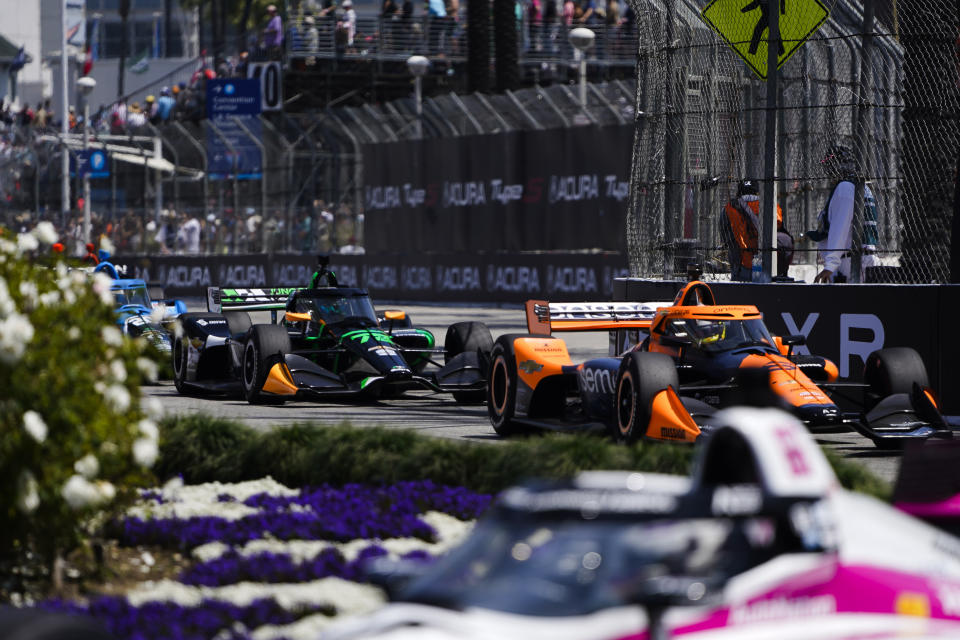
272,299
545,317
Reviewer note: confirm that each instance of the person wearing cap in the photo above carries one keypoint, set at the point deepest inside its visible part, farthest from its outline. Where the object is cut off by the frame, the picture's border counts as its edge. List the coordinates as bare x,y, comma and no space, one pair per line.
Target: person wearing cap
835,222
150,109
165,104
740,230
273,33
349,21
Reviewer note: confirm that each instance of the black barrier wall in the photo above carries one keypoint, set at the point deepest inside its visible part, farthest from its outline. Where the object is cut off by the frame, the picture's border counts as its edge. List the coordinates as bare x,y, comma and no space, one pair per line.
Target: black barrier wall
558,189
846,322
481,278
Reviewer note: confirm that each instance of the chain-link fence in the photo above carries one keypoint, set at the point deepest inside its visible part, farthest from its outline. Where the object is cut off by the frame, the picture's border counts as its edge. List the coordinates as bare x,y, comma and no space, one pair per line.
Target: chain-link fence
164,193
883,82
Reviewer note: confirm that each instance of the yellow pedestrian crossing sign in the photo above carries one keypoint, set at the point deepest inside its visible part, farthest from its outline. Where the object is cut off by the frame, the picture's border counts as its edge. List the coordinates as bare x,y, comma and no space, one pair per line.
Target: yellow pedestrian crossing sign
743,24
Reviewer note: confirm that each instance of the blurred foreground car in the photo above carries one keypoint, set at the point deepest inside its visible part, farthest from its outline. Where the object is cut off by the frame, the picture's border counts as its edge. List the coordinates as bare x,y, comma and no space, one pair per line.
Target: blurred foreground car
760,542
693,361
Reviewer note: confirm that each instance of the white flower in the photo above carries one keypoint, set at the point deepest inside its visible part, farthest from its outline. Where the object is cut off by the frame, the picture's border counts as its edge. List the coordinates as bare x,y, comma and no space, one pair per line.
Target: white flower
7,247
88,466
29,291
28,499
152,408
26,242
145,452
34,425
148,429
106,491
80,492
149,370
15,333
158,314
7,306
101,286
111,336
45,232
118,371
51,298
117,397
106,244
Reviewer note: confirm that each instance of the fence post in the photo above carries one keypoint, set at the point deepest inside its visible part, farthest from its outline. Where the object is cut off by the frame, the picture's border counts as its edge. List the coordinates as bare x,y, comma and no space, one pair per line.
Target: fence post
768,224
860,139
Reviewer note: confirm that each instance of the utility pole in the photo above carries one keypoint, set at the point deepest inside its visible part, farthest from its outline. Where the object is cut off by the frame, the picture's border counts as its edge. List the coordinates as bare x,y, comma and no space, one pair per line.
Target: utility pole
124,11
65,119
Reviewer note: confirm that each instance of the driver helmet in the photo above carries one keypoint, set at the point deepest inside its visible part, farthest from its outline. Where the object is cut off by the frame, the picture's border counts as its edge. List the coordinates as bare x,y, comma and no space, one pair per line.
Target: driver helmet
710,332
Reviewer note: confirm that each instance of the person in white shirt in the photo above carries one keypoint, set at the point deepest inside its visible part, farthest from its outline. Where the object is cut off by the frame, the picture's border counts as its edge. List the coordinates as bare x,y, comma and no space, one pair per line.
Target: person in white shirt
835,233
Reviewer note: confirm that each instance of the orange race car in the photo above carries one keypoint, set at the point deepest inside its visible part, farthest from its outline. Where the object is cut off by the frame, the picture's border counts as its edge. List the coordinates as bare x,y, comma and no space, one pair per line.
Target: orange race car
697,357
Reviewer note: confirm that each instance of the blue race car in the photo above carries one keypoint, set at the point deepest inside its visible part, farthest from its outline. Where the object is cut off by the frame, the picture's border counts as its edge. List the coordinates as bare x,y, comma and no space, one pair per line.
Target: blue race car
136,313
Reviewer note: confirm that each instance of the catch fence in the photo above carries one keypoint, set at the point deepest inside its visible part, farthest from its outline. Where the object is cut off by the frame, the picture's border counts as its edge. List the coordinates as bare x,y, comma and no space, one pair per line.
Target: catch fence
307,195
882,81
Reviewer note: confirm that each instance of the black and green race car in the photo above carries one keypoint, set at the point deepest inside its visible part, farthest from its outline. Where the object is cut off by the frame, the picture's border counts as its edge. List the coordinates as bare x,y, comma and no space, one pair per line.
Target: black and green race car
322,342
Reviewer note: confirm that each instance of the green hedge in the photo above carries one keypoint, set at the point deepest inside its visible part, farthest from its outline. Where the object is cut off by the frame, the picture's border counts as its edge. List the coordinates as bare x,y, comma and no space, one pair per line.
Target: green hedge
205,449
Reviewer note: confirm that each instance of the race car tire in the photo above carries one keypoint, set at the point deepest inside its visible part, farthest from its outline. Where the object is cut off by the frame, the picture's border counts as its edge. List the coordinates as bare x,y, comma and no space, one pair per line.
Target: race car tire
238,322
180,351
502,385
893,370
265,347
641,377
467,337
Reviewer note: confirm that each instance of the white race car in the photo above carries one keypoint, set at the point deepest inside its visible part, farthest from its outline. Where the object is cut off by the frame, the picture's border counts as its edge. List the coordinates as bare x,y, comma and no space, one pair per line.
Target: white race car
761,542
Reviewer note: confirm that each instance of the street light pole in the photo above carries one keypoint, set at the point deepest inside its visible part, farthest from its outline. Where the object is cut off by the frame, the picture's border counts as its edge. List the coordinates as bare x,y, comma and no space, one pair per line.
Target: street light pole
65,120
582,39
418,66
85,85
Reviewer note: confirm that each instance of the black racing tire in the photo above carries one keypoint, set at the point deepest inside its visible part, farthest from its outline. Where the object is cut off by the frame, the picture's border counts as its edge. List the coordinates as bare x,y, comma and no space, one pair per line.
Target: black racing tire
467,337
238,322
179,350
642,376
266,344
502,386
893,370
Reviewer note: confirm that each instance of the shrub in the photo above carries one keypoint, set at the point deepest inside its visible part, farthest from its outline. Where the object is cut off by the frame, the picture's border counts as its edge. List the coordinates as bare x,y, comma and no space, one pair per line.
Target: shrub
206,449
74,433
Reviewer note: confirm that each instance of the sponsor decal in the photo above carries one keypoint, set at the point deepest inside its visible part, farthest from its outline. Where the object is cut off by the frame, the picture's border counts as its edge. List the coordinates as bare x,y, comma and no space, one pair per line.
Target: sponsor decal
203,322
573,188
522,279
616,189
505,193
382,197
291,274
572,279
399,367
782,608
596,380
183,276
250,275
416,278
412,196
458,278
673,433
463,194
367,334
734,500
529,366
380,277
547,348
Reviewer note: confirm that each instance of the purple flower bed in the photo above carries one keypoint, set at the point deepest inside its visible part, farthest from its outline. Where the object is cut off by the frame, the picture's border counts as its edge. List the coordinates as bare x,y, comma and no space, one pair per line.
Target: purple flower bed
232,567
168,621
339,514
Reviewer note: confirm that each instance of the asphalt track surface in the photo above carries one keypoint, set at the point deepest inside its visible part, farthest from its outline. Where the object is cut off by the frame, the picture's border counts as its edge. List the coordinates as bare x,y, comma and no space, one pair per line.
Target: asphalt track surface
438,414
